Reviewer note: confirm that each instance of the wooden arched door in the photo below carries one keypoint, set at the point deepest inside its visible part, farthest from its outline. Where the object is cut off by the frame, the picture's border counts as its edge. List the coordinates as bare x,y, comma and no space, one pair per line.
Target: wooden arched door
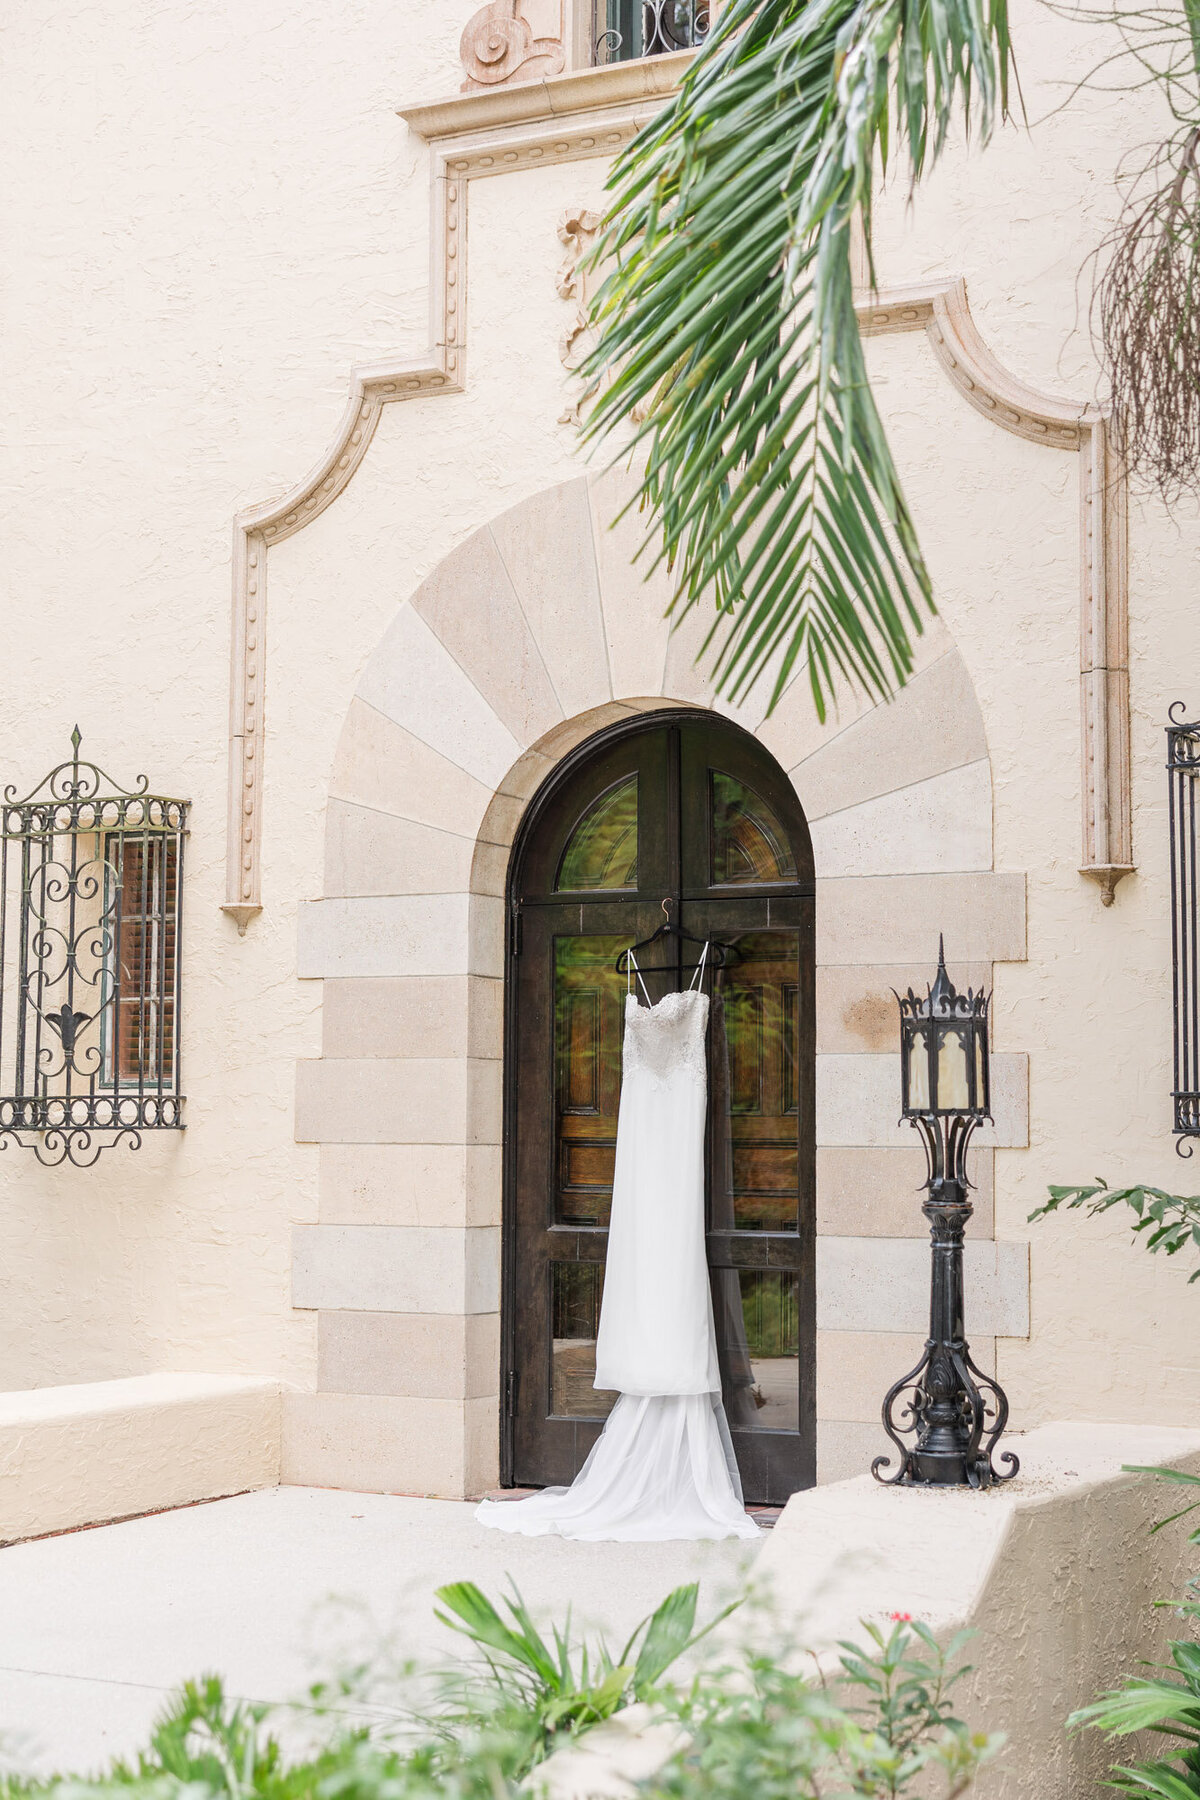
686,807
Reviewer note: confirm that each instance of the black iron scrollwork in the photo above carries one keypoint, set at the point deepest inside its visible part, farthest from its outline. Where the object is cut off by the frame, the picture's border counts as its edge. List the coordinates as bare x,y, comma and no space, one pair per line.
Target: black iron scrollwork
90,918
946,1416
627,29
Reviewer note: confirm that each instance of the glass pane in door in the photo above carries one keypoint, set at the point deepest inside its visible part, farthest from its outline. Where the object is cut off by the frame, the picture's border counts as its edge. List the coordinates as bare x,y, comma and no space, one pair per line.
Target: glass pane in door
754,1094
602,850
770,1319
576,1290
749,842
589,1002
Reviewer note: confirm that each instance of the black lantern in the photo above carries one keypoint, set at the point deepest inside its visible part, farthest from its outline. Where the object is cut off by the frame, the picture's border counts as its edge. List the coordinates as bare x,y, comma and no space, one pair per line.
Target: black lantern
945,1416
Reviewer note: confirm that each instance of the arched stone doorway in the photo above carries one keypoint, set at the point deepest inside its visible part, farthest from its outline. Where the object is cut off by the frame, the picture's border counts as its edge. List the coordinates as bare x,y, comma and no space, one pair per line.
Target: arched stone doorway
675,813
534,635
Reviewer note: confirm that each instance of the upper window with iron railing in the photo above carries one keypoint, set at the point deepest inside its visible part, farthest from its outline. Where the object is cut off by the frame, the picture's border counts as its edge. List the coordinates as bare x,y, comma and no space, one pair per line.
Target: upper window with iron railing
627,29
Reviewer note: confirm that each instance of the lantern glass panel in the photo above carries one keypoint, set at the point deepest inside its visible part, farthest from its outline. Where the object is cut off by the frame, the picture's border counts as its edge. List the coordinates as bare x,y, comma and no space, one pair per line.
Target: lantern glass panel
980,1083
918,1070
953,1092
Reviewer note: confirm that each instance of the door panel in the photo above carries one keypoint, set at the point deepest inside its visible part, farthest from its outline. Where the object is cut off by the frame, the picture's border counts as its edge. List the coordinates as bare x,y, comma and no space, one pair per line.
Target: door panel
683,808
589,1002
754,1095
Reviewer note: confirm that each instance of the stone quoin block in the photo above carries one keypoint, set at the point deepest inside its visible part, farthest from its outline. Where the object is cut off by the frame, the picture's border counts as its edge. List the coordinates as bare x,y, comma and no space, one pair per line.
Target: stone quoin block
882,1284
371,852
382,1100
395,1269
897,918
940,825
400,934
858,1102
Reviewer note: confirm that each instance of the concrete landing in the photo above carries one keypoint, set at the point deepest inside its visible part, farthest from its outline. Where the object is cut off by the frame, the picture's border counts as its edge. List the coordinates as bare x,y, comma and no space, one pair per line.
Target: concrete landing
97,1626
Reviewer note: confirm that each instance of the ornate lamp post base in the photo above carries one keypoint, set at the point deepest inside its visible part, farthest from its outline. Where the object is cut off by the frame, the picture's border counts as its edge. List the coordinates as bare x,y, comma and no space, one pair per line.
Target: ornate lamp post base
946,1416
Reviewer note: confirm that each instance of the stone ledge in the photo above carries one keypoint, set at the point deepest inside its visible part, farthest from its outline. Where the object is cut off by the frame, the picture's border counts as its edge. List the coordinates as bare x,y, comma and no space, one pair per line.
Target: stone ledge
556,97
1055,1573
91,1452
385,1444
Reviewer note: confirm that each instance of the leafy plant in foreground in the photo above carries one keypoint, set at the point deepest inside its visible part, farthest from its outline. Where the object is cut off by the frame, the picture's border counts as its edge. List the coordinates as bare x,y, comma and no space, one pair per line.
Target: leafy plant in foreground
1165,1701
1172,1221
563,1691
752,1728
777,1735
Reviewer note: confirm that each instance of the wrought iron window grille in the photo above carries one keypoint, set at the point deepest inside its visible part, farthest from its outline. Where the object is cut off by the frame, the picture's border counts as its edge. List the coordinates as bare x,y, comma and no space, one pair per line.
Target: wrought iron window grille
1183,769
91,896
626,30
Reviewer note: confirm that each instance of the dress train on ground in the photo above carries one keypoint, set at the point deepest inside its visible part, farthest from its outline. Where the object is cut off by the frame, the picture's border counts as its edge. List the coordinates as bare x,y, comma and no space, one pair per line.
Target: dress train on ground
662,1468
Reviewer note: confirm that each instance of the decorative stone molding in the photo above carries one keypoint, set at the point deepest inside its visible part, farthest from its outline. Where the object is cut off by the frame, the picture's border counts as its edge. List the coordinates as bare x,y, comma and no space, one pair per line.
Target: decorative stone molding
559,97
254,531
591,113
576,228
499,45
440,371
940,309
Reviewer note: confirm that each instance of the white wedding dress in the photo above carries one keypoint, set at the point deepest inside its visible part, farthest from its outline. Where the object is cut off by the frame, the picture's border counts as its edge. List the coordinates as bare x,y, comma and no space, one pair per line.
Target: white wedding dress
663,1467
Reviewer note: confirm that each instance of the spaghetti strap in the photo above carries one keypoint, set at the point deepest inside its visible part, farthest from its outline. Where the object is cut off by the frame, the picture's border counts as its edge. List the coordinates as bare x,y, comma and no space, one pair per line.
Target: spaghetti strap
634,967
698,978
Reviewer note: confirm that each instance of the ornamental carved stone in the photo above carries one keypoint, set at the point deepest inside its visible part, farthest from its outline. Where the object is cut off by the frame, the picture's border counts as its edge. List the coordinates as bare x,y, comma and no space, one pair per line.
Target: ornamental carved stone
576,229
500,43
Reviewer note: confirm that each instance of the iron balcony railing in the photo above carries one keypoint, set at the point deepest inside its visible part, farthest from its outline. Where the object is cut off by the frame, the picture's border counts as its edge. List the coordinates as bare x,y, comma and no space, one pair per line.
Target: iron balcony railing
627,29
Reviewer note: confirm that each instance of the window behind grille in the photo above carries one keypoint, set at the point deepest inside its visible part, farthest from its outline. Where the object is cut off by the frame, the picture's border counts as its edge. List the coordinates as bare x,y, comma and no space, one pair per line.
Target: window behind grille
144,956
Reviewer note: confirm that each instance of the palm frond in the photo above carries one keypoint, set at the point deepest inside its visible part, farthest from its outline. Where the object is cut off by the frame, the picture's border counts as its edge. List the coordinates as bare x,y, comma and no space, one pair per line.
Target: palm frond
726,325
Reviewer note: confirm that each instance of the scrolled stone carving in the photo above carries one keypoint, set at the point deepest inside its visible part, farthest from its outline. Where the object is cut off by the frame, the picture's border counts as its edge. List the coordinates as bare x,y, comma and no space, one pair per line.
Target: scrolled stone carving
498,45
576,229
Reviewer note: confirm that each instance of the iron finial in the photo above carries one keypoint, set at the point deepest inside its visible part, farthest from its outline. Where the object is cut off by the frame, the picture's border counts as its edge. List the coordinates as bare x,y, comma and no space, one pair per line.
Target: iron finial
942,995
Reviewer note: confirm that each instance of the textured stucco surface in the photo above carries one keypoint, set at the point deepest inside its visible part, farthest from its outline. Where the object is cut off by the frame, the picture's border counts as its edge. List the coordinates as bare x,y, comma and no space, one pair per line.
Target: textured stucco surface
209,216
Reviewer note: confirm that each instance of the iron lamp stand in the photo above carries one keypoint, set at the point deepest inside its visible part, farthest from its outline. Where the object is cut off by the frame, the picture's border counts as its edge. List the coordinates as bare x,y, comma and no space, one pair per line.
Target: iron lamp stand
945,1416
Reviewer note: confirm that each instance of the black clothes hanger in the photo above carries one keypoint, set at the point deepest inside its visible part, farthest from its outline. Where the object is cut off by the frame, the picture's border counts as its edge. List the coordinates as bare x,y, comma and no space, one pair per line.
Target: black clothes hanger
718,953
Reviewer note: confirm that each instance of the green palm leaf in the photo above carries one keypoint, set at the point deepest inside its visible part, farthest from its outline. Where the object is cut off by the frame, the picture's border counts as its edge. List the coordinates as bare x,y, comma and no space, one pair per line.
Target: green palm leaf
727,327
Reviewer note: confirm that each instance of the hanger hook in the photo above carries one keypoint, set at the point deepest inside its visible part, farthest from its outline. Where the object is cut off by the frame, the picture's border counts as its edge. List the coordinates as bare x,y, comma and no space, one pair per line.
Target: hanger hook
666,906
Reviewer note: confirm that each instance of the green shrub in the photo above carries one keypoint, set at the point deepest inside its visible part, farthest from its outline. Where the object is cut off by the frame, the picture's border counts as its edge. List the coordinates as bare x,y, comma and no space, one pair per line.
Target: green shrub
880,1727
753,1727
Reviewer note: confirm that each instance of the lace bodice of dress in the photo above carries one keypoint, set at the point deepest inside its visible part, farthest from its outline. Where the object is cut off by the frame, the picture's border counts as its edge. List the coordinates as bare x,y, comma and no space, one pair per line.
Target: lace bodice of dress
667,1040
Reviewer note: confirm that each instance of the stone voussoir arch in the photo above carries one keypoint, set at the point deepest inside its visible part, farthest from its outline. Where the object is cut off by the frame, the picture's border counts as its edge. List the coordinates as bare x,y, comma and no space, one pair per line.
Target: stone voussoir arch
531,636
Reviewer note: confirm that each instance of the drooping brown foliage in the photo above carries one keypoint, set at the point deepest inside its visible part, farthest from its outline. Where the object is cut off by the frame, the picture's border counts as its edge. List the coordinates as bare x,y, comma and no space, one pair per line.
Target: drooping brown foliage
1147,318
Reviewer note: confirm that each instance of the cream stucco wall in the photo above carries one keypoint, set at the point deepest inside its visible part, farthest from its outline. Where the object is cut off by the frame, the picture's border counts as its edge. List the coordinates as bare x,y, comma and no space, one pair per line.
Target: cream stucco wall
210,217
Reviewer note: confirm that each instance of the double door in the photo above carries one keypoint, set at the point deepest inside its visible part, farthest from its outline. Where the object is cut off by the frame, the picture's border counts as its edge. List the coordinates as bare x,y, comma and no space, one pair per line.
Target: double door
679,816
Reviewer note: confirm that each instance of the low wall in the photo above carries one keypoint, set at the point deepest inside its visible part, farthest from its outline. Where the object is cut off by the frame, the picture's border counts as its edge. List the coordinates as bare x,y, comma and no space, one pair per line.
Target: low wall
85,1454
1055,1573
